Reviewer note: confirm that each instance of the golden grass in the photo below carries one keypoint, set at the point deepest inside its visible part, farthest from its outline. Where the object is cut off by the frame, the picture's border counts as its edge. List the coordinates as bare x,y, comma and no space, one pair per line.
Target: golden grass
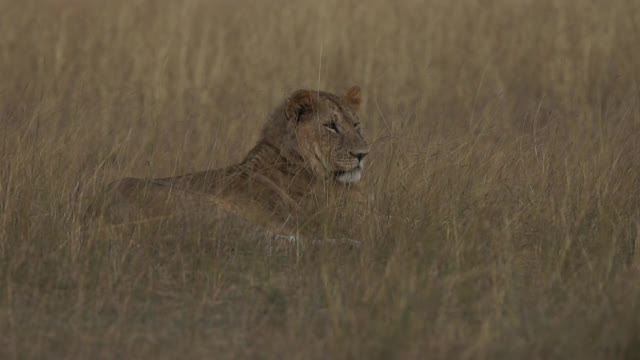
505,154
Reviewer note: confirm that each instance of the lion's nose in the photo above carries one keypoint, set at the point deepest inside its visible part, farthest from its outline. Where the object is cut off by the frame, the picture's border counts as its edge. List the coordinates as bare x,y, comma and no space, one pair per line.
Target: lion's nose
360,154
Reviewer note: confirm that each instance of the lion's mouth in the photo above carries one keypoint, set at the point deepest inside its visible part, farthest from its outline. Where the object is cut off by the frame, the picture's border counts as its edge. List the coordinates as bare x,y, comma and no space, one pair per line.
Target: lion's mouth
349,177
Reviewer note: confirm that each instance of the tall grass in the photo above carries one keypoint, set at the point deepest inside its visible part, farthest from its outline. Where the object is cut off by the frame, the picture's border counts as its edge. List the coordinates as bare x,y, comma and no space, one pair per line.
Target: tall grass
505,159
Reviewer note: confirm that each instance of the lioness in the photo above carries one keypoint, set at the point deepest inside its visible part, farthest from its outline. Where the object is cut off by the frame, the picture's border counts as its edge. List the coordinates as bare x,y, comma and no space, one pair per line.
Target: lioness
311,151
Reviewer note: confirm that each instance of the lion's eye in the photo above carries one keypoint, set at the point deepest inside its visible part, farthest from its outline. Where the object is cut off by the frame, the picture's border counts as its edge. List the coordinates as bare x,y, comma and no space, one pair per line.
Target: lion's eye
356,125
331,126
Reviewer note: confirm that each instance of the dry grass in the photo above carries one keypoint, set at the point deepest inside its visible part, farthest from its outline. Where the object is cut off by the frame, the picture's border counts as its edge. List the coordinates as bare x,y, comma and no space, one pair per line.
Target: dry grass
507,130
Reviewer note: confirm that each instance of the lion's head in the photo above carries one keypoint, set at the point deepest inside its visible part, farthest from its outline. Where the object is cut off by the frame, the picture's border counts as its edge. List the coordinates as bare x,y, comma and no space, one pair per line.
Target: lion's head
324,130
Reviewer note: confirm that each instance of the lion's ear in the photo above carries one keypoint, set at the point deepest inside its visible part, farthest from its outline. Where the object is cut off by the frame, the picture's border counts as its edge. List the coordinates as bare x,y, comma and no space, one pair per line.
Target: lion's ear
354,97
301,102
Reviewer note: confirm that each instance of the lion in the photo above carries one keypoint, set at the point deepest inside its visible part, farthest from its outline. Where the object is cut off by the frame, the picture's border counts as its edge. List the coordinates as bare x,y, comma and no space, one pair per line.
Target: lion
311,149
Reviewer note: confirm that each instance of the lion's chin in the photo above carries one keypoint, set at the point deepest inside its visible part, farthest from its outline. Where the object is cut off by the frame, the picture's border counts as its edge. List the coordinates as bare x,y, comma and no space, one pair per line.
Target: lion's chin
349,177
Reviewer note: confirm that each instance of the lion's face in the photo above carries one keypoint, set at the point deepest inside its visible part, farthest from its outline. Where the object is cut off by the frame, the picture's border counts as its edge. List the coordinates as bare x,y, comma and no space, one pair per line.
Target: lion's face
328,133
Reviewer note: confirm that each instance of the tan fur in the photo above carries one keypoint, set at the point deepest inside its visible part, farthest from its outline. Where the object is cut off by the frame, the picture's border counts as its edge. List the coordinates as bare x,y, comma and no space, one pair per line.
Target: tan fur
311,150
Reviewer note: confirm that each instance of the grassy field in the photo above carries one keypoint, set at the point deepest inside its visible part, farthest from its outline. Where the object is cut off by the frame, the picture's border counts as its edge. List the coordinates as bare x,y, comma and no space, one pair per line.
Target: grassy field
506,131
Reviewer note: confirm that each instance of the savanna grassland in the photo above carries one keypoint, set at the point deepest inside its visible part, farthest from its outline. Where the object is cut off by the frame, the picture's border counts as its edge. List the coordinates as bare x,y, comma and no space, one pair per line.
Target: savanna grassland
505,167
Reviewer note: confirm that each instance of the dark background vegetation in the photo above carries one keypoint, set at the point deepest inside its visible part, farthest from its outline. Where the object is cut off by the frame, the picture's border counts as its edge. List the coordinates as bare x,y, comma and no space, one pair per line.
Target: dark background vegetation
505,162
